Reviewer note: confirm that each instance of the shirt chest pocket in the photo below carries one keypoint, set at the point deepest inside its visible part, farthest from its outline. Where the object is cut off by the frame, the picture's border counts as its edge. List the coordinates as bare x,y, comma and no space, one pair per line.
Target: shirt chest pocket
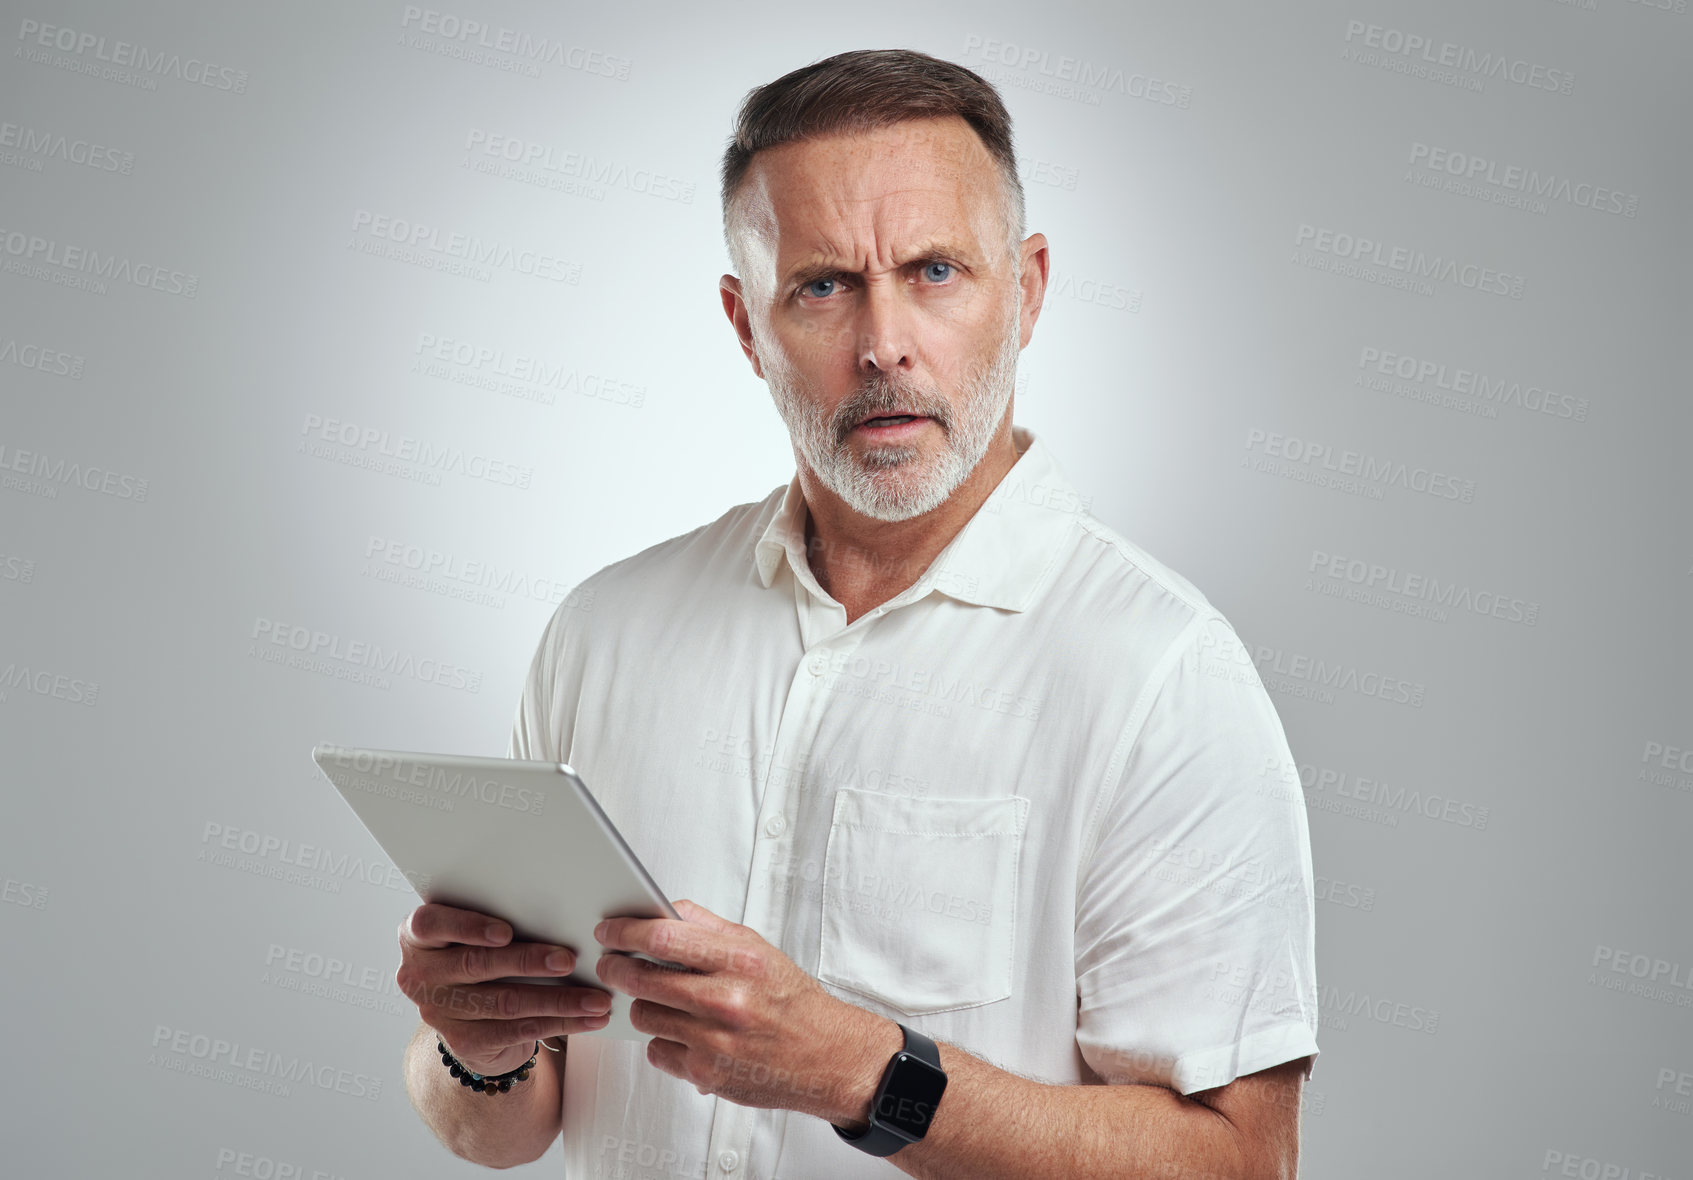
920,899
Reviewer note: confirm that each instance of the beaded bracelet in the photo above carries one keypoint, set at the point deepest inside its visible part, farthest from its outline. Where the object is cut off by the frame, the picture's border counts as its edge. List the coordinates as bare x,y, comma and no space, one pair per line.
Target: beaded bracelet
487,1083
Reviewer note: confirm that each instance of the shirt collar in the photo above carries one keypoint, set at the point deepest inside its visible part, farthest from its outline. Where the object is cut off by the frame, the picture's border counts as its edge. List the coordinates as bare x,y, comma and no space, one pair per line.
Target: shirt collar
1002,555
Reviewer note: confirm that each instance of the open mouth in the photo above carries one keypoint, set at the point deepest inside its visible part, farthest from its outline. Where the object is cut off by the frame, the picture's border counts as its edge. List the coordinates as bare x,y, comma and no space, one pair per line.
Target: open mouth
891,420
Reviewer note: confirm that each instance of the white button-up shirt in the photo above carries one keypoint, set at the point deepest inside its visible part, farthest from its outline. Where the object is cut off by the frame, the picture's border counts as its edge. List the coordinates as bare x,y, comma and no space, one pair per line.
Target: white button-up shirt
1038,805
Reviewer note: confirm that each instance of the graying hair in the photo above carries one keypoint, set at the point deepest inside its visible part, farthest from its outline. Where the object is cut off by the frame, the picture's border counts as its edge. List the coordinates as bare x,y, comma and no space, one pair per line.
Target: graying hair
862,90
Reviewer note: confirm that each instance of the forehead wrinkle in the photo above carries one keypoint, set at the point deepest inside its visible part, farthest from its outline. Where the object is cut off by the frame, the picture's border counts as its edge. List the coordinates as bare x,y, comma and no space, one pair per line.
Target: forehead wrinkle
836,212
850,255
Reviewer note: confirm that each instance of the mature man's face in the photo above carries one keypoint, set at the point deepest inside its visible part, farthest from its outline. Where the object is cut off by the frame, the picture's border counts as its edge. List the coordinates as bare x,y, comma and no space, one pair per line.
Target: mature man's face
883,306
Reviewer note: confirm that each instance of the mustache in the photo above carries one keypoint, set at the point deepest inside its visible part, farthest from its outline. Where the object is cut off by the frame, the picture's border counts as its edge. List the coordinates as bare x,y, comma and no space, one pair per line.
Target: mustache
881,395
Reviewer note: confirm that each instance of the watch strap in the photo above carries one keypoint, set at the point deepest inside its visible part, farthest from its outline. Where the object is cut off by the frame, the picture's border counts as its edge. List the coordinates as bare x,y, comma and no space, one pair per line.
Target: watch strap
880,1138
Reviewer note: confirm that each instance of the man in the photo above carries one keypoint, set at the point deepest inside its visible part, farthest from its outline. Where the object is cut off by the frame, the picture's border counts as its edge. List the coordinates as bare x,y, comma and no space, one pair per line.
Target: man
934,748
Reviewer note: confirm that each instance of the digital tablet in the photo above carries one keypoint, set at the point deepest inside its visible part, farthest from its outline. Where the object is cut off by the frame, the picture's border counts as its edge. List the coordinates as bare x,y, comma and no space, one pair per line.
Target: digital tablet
522,841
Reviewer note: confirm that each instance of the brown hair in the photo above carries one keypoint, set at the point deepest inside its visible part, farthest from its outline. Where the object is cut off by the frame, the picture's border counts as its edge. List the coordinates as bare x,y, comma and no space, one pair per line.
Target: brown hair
862,90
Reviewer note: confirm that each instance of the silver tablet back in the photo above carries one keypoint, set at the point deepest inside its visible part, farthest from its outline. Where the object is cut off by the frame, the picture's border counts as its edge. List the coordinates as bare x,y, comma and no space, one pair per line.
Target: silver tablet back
523,841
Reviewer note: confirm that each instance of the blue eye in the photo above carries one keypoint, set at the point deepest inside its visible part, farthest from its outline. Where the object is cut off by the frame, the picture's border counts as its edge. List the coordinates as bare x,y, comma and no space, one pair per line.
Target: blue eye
931,268
810,288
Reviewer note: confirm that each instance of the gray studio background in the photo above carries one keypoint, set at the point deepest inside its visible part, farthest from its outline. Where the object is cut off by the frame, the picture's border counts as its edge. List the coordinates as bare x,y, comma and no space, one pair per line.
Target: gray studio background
1369,318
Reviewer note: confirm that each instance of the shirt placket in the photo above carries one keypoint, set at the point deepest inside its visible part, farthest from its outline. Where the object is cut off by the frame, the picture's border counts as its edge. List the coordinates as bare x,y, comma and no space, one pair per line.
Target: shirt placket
828,641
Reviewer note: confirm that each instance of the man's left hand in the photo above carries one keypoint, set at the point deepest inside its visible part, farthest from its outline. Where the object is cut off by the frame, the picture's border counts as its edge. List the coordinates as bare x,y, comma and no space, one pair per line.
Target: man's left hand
752,1026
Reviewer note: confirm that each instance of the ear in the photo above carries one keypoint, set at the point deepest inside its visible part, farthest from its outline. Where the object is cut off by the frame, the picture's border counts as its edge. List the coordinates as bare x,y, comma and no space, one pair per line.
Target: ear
735,307
1037,261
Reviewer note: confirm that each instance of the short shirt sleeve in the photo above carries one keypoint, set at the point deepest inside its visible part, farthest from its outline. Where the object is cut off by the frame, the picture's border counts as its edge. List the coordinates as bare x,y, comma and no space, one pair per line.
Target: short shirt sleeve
1195,931
536,728
526,728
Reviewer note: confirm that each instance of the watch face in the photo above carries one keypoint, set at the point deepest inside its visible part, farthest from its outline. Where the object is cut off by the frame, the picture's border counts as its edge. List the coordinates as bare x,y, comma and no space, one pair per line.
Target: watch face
909,1099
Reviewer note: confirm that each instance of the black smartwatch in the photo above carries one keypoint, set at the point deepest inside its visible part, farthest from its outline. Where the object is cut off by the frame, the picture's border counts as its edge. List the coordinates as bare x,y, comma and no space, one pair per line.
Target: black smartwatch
905,1102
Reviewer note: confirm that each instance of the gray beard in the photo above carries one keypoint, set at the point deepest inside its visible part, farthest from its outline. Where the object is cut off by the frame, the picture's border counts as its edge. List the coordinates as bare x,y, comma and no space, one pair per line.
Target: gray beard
889,483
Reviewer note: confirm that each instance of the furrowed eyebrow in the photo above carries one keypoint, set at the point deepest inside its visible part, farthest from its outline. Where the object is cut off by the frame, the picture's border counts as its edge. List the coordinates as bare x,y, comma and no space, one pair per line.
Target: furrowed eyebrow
805,273
809,273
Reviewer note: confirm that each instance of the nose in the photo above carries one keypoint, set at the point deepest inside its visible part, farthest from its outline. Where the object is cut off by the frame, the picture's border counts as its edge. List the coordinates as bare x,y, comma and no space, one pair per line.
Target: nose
884,330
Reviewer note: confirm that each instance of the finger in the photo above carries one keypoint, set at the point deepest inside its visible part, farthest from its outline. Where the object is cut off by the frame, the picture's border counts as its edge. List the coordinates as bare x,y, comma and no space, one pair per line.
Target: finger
482,964
432,926
669,939
448,977
649,981
670,1056
624,934
515,1001
661,1020
693,911
456,965
509,1002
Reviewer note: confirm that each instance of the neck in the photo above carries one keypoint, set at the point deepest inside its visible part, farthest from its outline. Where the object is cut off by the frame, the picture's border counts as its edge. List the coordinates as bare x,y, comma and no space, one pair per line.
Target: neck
863,562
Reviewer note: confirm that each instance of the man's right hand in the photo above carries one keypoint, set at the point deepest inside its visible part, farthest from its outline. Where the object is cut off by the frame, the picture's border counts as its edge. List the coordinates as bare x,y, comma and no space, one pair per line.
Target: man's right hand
448,956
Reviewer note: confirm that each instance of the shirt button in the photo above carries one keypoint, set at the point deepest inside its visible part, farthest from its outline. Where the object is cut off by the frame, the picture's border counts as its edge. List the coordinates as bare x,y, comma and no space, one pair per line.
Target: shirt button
775,826
818,663
728,1160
